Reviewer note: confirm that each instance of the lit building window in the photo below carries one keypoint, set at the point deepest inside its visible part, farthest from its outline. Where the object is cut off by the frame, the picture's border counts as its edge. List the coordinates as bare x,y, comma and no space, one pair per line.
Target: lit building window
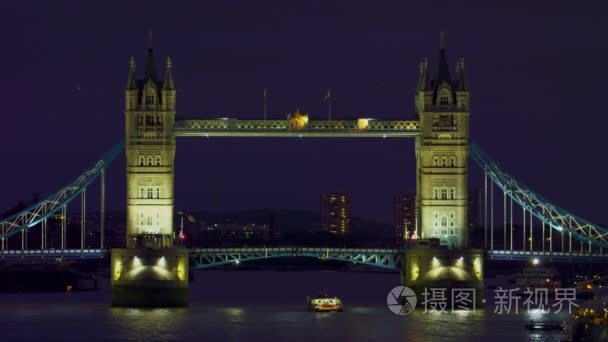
441,192
149,99
444,219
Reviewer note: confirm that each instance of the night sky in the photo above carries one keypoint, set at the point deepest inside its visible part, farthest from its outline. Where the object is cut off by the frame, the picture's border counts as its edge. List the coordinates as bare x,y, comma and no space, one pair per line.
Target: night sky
537,71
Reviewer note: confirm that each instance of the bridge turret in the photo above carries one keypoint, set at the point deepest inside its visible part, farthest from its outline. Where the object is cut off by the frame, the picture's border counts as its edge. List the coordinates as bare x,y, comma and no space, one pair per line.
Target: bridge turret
131,88
168,90
442,104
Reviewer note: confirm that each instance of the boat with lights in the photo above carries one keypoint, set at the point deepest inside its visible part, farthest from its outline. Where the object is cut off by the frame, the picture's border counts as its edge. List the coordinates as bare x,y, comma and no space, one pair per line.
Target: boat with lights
324,303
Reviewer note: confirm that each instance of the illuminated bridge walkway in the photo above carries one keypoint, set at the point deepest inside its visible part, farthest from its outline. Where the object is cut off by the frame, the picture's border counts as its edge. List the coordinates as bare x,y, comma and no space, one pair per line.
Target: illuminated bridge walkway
212,257
518,223
280,128
202,258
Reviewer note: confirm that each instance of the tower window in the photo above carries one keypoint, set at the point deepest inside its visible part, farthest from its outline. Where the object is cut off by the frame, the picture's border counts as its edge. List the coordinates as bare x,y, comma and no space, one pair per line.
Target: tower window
444,100
149,99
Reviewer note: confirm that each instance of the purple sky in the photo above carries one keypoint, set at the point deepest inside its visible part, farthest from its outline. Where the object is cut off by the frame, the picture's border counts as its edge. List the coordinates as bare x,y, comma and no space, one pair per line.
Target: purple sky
537,73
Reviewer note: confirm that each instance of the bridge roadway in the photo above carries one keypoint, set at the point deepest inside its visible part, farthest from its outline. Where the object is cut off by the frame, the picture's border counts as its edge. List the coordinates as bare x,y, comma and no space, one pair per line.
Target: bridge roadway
384,258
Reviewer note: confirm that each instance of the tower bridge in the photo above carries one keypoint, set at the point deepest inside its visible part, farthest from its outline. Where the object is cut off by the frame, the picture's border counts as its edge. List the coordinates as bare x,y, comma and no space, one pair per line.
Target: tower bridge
152,266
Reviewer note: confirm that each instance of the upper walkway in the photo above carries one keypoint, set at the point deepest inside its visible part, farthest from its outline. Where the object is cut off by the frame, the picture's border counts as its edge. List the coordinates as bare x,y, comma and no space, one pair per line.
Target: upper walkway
228,127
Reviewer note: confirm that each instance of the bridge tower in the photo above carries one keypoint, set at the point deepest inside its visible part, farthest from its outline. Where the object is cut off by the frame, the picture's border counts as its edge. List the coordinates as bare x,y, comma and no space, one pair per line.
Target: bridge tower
150,152
150,271
442,152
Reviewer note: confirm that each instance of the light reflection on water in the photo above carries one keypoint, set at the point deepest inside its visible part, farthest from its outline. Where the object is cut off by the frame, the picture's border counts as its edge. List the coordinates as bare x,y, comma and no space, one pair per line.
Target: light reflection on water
272,309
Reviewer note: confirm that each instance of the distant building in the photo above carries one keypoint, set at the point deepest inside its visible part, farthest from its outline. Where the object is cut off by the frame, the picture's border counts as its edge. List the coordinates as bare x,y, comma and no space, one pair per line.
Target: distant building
404,209
335,213
228,233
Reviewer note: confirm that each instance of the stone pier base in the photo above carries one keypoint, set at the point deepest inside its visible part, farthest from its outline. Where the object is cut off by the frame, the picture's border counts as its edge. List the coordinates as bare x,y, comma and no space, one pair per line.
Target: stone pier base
445,269
149,277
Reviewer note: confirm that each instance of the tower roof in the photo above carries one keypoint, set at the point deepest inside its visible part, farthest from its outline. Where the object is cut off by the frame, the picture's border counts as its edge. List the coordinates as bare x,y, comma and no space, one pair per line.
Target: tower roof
442,73
150,68
443,70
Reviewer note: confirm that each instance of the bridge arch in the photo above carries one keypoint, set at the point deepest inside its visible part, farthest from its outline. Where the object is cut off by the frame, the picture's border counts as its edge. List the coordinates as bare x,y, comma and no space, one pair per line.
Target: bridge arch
203,258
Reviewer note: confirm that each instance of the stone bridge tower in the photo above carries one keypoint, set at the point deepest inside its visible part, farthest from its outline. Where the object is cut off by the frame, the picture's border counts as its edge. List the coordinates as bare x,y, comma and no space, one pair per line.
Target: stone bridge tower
442,153
442,103
150,151
150,272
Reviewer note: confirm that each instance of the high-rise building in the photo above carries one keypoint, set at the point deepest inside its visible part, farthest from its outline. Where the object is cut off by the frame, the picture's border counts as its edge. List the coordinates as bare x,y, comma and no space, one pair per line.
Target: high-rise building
404,206
335,215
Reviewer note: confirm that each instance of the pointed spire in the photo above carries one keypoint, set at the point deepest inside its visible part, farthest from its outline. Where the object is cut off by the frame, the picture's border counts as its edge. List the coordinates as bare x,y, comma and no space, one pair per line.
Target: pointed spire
443,72
168,84
131,84
423,79
150,68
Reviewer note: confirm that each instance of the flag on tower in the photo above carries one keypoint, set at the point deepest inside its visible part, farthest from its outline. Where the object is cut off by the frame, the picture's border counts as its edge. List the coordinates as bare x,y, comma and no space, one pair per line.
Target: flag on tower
327,97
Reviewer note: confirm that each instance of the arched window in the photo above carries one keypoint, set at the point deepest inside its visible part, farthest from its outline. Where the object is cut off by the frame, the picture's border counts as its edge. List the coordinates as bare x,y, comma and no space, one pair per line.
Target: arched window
444,96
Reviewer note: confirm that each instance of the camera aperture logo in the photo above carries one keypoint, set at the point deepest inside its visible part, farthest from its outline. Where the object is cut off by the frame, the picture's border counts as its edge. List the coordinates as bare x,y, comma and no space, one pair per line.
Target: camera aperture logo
401,300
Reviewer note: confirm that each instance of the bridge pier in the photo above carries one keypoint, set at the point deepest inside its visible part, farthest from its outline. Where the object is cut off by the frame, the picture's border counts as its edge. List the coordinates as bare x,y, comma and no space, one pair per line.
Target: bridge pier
442,268
144,277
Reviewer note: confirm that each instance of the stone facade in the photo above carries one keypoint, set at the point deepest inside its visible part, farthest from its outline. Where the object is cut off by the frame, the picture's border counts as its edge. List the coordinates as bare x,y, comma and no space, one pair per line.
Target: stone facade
442,151
150,151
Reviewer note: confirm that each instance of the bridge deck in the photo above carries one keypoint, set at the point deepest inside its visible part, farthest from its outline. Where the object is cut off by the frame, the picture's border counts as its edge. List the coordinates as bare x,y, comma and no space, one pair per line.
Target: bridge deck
280,128
385,258
548,256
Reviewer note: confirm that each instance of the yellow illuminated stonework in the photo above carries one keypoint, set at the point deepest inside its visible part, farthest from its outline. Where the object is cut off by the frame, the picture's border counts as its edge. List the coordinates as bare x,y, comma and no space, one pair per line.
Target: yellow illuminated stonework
442,151
443,268
150,151
150,272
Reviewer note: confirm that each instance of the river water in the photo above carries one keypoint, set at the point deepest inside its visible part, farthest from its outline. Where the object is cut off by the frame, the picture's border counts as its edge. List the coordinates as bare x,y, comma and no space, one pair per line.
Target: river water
256,306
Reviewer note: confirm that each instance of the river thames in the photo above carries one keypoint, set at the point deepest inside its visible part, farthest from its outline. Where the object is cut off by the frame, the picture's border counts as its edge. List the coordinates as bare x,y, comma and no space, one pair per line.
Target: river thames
258,306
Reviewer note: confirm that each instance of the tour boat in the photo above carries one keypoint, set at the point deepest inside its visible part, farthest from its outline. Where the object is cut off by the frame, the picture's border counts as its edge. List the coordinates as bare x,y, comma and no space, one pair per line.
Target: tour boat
324,303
